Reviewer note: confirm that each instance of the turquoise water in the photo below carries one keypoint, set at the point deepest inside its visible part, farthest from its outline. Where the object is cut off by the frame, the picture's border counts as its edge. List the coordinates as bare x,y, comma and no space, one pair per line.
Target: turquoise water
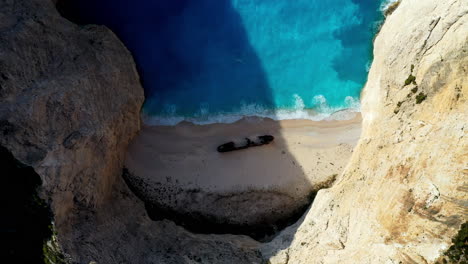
218,60
312,55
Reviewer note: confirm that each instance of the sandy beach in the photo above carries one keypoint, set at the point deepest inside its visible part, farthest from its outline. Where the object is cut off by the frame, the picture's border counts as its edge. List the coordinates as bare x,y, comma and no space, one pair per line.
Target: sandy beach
181,176
304,154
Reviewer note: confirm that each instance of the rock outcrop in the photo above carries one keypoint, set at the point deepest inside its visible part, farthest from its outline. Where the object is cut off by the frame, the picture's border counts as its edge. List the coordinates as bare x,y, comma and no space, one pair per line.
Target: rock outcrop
403,195
70,99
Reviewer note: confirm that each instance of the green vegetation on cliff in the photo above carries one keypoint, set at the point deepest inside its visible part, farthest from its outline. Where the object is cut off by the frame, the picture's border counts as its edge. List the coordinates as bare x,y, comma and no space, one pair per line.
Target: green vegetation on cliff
456,254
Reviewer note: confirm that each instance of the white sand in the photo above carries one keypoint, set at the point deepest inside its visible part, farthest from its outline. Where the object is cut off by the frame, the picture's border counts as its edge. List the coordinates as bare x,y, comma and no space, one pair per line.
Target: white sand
304,154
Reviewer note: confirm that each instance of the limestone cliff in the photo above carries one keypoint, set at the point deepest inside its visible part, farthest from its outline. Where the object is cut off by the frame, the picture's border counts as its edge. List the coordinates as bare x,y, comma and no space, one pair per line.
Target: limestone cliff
70,98
403,195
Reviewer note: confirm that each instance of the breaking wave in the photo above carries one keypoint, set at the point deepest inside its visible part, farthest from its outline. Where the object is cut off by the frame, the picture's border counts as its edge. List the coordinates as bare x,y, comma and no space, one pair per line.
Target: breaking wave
386,3
321,111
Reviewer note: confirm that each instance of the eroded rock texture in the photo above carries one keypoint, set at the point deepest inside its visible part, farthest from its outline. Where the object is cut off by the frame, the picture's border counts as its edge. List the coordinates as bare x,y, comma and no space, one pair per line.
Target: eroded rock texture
403,195
69,103
70,100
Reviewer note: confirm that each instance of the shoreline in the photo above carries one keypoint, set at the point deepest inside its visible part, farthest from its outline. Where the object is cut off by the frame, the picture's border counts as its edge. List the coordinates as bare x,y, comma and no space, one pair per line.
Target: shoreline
279,115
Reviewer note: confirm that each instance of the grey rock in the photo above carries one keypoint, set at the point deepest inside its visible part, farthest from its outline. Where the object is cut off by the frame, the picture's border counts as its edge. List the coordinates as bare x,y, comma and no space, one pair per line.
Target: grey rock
72,139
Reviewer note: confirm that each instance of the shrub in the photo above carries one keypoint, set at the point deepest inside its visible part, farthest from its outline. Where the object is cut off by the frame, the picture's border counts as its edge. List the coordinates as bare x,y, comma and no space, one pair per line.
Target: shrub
411,79
459,249
414,90
420,97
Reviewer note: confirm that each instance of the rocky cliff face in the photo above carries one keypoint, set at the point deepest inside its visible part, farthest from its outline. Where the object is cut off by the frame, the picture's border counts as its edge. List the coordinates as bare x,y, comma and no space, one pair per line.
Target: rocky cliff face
70,100
403,195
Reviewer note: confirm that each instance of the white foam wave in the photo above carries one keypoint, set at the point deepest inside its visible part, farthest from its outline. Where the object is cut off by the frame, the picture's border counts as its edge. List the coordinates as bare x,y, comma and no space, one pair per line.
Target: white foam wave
368,66
387,3
322,111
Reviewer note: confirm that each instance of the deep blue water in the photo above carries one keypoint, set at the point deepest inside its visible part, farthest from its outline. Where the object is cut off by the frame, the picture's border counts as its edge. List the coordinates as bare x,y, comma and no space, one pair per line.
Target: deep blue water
216,60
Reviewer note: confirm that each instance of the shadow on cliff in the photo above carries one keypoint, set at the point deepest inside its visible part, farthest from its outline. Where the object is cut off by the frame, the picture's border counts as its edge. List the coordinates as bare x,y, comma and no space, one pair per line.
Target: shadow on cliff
173,43
26,218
